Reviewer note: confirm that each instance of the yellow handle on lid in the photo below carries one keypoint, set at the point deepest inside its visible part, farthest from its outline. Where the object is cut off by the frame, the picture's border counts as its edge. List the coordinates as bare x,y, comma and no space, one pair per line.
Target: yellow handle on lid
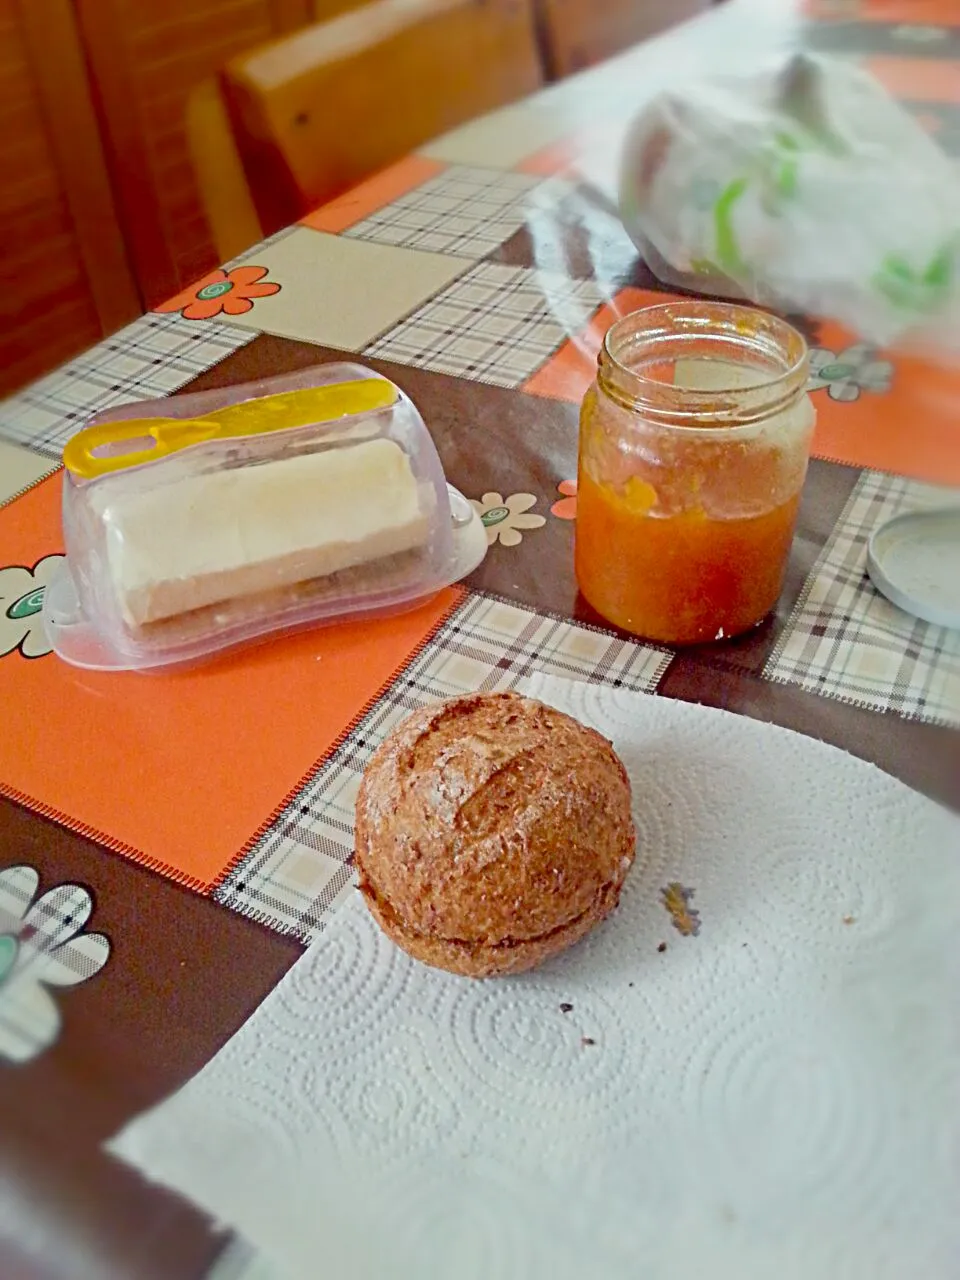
114,446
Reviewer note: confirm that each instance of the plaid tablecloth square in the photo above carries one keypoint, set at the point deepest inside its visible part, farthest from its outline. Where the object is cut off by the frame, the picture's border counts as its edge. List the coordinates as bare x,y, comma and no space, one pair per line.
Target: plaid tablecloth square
301,868
20,470
847,640
495,323
153,356
463,212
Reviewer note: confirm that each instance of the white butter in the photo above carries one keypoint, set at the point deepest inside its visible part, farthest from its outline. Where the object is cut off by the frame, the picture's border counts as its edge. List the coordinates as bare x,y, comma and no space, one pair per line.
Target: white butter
205,539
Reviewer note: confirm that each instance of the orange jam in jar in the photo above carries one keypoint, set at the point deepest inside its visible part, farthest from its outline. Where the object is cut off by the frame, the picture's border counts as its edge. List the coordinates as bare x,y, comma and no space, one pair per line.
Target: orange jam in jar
694,442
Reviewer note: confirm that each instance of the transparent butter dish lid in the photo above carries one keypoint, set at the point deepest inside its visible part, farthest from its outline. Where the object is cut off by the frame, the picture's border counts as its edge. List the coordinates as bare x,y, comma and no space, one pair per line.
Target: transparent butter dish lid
199,522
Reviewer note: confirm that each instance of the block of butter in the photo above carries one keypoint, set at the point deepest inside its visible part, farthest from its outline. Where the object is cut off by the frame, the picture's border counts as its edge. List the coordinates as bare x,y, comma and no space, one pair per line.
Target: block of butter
204,539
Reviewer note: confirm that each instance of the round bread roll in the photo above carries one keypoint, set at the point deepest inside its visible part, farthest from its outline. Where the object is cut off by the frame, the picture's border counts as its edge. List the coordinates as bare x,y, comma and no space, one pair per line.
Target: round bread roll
491,833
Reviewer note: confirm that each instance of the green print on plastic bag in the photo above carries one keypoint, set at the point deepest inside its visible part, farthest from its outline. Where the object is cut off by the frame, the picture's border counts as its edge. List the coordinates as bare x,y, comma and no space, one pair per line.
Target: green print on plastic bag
778,180
912,290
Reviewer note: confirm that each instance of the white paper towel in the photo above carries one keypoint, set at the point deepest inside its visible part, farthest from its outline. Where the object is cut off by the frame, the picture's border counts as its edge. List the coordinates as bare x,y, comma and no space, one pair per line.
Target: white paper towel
775,1095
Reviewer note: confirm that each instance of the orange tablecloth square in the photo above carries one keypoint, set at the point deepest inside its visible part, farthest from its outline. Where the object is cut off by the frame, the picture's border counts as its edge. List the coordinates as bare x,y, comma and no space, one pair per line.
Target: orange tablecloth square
181,770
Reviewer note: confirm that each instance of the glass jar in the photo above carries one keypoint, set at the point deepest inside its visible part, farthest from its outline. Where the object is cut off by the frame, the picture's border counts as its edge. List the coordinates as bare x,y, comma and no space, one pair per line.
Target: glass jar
694,442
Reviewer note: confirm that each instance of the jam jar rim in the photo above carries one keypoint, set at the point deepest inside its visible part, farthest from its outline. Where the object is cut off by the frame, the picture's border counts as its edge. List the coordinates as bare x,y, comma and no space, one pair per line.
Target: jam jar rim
718,412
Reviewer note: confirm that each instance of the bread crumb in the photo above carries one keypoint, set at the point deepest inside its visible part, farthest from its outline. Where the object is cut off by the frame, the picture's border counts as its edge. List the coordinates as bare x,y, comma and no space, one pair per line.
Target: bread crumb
849,919
677,899
566,1008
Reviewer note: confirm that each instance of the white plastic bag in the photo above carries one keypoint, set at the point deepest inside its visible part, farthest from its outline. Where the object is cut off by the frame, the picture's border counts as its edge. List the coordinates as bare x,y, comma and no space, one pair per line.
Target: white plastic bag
803,187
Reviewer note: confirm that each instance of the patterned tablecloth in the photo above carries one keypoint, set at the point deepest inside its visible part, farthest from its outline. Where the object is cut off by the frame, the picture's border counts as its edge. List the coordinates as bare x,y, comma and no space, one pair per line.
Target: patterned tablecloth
168,845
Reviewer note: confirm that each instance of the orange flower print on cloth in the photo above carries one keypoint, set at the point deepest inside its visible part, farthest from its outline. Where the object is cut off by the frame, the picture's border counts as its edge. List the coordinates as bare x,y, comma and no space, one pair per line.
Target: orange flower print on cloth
229,293
566,508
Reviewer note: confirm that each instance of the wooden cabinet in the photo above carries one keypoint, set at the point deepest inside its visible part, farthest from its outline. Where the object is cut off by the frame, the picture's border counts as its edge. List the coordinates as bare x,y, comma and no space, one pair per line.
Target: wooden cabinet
100,216
64,275
145,57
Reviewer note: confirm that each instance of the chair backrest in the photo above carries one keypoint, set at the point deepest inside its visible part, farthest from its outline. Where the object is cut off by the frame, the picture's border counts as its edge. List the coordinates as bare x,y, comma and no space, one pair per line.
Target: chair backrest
218,169
318,111
578,33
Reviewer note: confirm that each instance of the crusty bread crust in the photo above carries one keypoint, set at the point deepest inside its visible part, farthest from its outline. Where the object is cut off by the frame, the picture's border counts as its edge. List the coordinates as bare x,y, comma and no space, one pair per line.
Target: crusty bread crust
482,960
491,833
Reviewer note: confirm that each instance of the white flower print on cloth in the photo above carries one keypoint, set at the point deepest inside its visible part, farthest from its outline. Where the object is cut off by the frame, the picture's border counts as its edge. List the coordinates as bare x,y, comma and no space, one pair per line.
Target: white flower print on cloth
21,599
919,35
846,373
42,945
503,518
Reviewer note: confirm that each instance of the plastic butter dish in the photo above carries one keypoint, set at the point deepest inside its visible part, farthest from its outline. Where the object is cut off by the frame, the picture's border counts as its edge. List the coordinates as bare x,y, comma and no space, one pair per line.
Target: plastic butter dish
199,522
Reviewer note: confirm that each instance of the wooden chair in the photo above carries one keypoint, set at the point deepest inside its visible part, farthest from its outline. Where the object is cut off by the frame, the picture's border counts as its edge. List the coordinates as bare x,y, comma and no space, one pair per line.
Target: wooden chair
578,33
295,122
218,167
